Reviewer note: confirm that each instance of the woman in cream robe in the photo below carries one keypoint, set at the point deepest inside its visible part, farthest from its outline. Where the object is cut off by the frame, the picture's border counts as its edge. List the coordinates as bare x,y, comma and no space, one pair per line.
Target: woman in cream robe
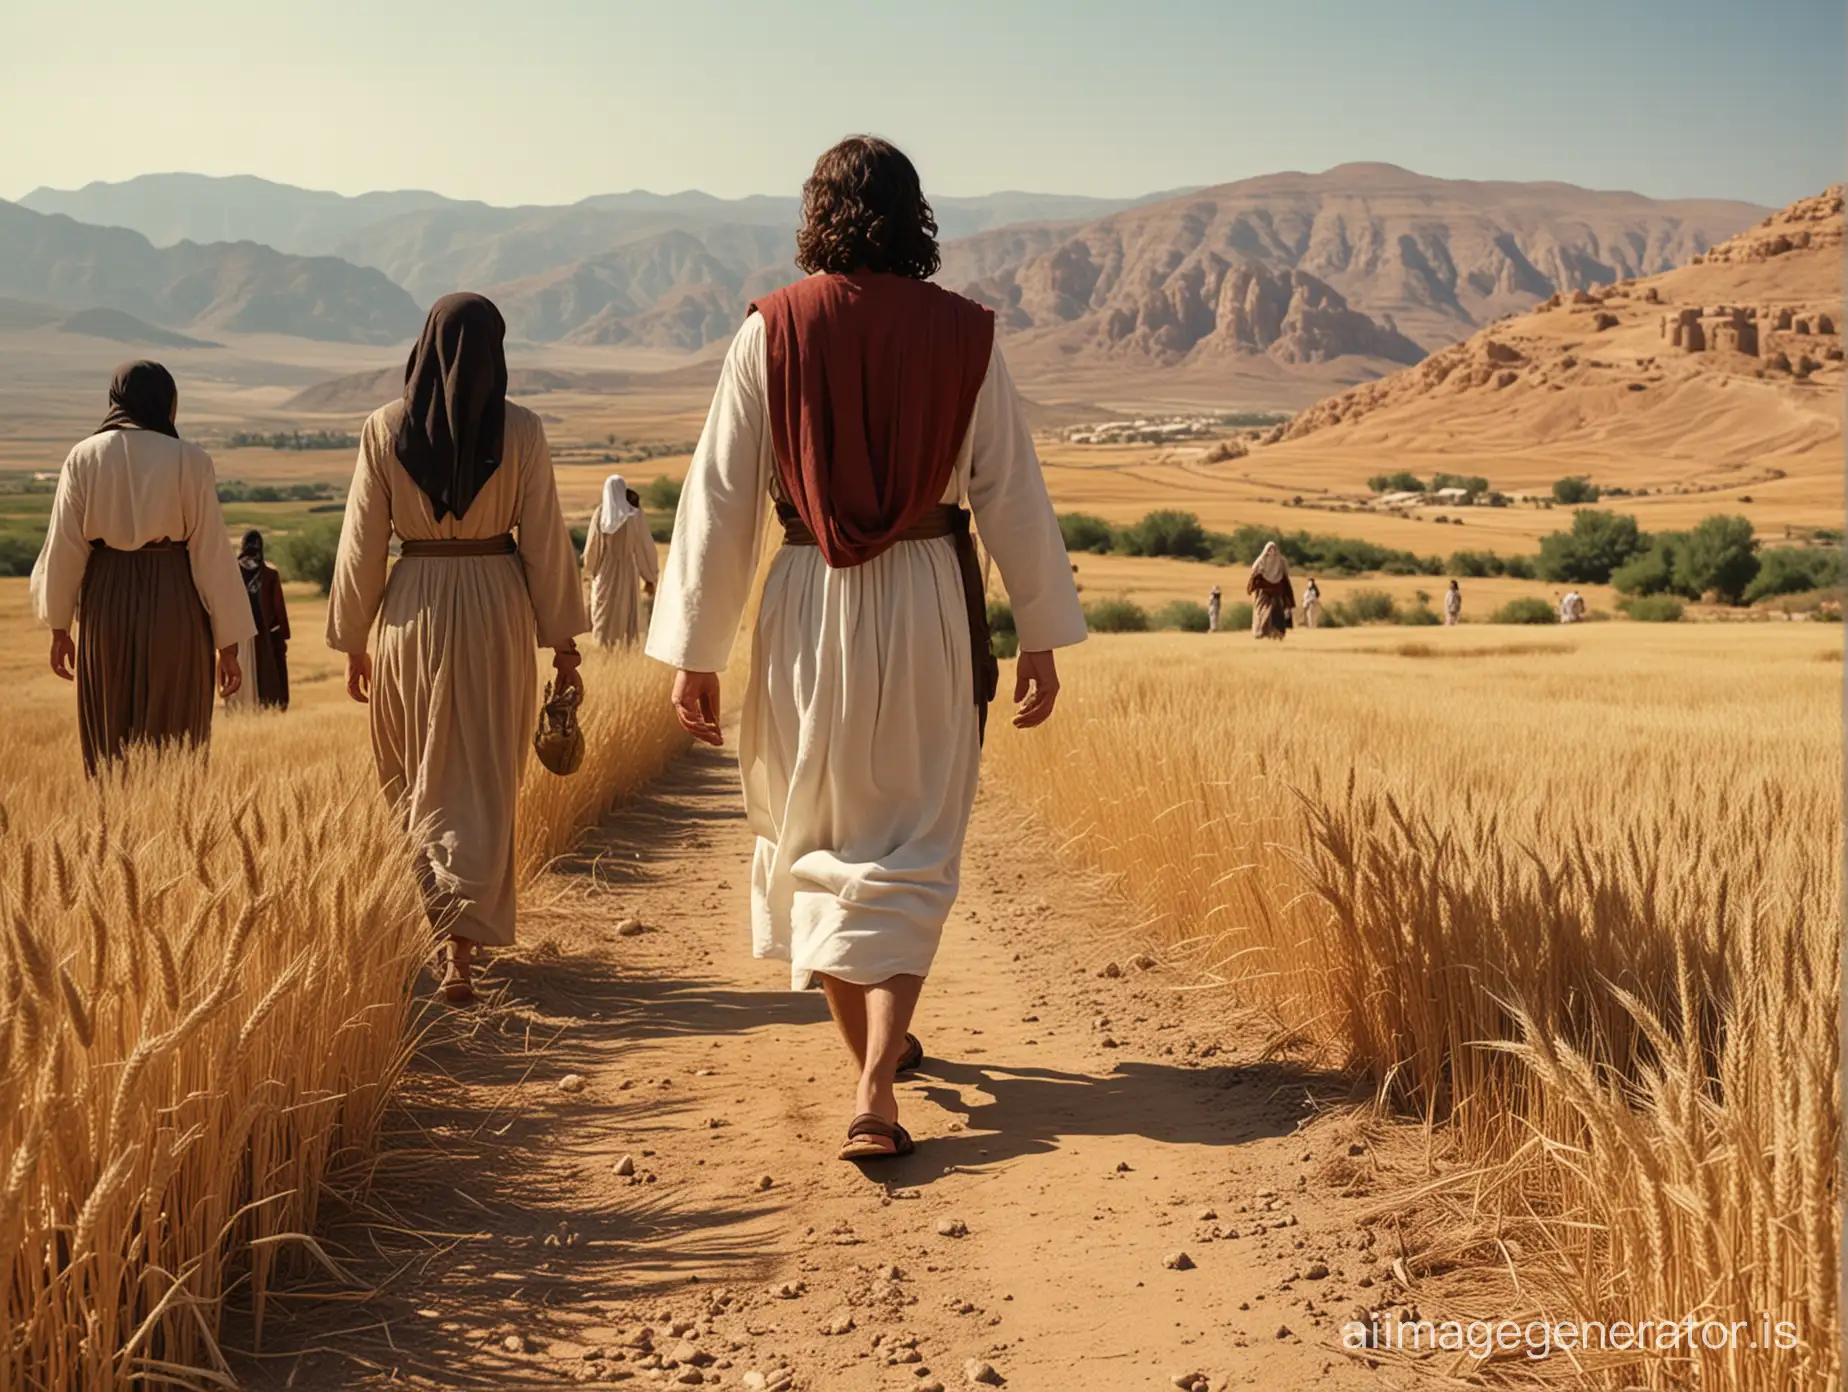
620,560
136,554
859,747
454,690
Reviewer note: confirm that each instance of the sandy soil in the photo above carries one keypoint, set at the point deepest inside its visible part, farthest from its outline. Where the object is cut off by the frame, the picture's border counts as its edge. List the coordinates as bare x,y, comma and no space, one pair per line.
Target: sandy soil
1078,1129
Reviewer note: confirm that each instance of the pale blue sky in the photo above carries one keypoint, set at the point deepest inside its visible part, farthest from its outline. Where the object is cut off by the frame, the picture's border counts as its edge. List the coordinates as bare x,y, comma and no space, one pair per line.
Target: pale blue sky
548,101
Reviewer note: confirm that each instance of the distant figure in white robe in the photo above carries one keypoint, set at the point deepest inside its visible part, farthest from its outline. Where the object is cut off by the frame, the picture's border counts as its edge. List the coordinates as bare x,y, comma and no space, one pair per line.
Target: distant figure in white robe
1312,605
1453,605
1212,611
620,559
1571,607
870,670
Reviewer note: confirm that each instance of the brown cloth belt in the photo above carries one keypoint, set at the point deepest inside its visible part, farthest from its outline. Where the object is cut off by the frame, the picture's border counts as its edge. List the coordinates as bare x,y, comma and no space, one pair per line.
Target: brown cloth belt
501,545
944,520
164,544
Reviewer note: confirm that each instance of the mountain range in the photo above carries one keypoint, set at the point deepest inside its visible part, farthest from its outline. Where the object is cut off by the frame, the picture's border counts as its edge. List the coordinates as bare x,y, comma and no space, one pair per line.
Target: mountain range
240,287
1732,363
1368,263
1288,263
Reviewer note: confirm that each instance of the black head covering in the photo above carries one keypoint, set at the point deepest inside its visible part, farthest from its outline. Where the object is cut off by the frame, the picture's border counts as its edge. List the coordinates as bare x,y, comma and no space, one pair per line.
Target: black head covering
455,402
252,545
141,397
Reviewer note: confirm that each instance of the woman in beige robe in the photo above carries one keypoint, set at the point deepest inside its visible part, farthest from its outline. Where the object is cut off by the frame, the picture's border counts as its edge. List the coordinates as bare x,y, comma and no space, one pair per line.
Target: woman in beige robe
454,688
620,560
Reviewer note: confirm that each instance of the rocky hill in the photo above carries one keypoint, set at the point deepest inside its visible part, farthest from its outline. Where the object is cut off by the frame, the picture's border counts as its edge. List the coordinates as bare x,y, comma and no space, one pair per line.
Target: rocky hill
226,286
1764,306
1426,260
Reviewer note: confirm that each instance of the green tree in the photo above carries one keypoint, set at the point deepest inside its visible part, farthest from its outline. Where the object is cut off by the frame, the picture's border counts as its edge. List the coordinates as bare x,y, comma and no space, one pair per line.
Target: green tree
1571,491
1598,543
1721,557
1401,482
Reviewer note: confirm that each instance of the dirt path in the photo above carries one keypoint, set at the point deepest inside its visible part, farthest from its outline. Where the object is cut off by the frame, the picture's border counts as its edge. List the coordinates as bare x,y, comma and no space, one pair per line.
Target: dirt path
1077,1131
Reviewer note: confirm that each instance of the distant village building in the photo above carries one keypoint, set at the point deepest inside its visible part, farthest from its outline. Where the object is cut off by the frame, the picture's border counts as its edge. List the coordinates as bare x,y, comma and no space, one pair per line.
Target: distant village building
1771,332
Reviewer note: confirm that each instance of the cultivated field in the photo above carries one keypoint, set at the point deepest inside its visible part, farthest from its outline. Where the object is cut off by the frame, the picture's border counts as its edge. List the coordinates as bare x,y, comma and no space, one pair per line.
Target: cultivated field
206,993
1575,894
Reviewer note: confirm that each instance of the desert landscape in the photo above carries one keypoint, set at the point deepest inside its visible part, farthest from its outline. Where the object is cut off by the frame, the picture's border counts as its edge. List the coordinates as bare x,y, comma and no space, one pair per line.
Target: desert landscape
1485,972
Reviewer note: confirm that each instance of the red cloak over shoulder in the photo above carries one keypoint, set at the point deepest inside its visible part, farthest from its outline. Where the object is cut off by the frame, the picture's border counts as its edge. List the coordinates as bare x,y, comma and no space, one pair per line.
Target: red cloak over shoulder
872,381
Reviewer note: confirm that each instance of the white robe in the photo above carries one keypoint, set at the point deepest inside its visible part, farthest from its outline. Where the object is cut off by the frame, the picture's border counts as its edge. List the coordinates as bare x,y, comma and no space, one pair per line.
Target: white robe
619,563
859,746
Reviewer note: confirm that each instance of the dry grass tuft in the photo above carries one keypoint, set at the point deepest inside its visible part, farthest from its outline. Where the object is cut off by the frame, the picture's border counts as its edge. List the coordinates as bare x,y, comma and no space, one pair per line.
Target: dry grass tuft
1585,915
207,971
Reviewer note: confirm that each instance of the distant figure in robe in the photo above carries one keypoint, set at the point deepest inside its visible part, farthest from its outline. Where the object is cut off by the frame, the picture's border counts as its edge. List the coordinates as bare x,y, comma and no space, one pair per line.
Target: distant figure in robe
1312,604
867,404
1571,607
463,477
1212,611
265,655
619,558
1453,605
136,552
1272,597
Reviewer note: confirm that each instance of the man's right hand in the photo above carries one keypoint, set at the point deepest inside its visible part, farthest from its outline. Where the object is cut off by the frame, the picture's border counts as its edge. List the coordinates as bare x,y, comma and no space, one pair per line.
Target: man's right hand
1036,688
359,676
63,653
696,704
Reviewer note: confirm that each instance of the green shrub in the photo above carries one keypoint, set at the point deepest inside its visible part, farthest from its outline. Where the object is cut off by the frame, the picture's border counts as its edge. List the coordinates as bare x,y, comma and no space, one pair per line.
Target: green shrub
1520,567
1083,532
1473,565
1167,532
1401,482
18,553
1420,615
1472,484
1364,607
1002,637
660,525
663,492
1786,570
1598,544
1526,610
1182,614
1572,491
308,552
1235,618
1117,615
1655,608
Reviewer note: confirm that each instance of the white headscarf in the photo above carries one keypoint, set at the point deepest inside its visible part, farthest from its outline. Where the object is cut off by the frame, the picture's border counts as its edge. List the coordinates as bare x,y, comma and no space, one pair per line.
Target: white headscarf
1270,565
616,509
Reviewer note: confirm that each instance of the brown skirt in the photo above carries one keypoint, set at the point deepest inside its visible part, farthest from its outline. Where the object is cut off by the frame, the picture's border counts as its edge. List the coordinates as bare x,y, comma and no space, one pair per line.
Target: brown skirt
144,653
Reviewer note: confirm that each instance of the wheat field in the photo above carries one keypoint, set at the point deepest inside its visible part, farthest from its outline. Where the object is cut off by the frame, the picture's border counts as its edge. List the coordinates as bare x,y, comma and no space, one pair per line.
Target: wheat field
1573,897
208,974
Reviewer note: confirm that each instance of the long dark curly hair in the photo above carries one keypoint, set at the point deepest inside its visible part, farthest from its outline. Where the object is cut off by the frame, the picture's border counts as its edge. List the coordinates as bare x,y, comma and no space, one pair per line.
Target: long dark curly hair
864,210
